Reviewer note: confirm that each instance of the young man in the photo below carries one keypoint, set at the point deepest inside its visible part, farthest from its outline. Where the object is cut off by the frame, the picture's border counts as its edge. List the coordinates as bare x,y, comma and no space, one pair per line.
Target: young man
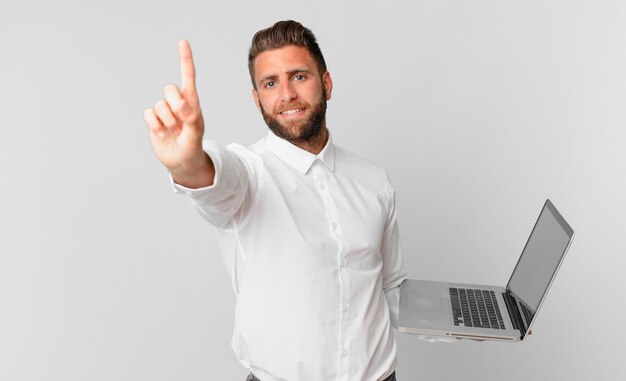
307,229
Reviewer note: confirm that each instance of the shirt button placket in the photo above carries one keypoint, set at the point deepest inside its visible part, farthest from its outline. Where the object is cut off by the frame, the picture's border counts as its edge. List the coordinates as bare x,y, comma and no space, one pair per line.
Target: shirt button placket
321,183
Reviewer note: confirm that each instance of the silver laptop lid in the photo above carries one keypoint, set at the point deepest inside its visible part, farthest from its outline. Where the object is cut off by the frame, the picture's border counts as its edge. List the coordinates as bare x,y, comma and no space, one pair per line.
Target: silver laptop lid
540,260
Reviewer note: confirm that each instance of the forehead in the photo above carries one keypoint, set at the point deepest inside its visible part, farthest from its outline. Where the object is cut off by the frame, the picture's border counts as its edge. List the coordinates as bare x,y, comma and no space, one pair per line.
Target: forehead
283,60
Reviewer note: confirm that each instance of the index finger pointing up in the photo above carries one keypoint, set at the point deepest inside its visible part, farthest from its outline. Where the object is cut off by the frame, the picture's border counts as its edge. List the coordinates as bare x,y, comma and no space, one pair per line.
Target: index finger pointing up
187,70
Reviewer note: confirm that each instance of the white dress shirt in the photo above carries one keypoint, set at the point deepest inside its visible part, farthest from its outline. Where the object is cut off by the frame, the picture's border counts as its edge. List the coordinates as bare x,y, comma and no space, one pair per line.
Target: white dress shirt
311,245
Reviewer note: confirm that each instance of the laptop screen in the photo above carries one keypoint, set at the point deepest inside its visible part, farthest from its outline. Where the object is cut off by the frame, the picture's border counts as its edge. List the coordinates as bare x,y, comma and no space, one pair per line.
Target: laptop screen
540,259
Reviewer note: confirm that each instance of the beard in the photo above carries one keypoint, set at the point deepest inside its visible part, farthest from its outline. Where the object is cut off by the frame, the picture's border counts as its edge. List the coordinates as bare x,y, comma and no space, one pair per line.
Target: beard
299,130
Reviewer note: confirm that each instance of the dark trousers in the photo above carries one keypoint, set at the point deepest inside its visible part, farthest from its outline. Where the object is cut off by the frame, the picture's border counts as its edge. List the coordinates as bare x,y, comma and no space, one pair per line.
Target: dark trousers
390,378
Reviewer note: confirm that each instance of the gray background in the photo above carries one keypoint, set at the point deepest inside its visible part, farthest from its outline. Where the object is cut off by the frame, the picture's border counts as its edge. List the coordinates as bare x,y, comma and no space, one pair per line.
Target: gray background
479,110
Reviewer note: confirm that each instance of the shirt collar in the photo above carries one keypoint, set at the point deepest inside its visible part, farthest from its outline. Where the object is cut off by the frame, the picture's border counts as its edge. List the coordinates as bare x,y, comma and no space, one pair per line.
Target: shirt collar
298,158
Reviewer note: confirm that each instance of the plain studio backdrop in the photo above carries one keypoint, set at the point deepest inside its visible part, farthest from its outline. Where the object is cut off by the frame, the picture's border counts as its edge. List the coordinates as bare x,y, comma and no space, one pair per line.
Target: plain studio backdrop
478,110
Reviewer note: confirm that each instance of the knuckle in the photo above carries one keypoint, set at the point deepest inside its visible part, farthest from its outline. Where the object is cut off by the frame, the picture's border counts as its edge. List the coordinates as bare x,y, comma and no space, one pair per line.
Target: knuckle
160,104
151,118
176,107
169,122
170,88
162,108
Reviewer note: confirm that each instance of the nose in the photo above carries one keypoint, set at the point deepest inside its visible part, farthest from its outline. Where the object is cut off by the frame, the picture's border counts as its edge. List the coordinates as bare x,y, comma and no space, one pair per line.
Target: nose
287,92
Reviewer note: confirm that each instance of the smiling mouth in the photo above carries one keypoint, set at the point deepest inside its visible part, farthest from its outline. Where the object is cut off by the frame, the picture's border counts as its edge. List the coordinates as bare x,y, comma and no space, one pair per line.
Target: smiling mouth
292,111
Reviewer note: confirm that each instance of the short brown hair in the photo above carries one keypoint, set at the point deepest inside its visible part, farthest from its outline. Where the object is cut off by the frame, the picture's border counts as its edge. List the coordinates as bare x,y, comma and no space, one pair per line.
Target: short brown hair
281,34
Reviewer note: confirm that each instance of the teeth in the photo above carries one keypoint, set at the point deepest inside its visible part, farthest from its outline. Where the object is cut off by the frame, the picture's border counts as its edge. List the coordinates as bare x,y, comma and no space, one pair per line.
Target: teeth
292,111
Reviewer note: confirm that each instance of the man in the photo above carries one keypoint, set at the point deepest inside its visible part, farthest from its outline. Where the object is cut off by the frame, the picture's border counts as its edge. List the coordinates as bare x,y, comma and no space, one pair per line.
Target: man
307,229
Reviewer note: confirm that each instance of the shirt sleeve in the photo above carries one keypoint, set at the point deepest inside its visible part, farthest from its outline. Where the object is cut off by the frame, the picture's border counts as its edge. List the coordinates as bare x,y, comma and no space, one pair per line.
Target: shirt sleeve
234,191
393,269
394,272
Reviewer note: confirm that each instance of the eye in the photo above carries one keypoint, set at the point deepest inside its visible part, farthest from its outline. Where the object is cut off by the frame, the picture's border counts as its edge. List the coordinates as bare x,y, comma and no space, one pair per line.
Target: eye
270,84
299,77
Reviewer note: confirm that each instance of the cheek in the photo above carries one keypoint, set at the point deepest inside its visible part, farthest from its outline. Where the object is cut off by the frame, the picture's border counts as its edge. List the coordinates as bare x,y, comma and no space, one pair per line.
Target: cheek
266,103
316,93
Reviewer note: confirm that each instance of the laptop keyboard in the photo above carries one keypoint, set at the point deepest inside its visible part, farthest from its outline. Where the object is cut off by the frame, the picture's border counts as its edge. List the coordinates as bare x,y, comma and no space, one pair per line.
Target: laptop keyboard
475,308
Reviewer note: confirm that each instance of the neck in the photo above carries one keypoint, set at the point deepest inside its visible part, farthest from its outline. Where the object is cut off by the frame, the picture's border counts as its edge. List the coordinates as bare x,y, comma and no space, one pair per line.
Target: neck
315,144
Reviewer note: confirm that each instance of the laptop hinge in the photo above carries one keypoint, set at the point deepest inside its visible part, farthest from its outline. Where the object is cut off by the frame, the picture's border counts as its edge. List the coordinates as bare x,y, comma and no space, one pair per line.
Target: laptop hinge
516,317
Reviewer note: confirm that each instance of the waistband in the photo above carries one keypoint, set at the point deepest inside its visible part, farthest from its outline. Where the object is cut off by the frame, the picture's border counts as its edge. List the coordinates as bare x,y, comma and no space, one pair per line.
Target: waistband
392,377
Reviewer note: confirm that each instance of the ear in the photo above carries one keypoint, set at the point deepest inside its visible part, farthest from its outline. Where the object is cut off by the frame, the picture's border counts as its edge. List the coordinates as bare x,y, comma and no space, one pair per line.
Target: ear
255,96
328,84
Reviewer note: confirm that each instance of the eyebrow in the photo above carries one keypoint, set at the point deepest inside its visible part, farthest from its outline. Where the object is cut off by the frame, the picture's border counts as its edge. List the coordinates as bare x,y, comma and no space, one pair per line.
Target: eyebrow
289,73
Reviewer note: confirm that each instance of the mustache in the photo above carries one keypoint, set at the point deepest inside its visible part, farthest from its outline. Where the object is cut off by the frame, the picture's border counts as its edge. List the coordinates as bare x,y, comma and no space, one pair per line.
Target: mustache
291,106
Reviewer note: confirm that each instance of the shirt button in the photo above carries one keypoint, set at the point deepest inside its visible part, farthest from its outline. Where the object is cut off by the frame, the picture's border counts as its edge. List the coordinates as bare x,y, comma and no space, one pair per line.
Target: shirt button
334,225
343,263
322,186
345,307
344,353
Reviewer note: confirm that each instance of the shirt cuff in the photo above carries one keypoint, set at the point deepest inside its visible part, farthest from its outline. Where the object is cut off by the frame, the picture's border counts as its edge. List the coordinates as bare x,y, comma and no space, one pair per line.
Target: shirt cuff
393,302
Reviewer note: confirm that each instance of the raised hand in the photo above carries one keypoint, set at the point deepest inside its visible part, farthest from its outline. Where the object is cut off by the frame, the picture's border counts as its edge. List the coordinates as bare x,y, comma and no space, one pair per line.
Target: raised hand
176,127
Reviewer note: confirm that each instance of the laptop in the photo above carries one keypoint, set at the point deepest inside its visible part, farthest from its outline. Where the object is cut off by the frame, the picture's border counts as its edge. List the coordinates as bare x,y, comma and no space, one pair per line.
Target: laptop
491,312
